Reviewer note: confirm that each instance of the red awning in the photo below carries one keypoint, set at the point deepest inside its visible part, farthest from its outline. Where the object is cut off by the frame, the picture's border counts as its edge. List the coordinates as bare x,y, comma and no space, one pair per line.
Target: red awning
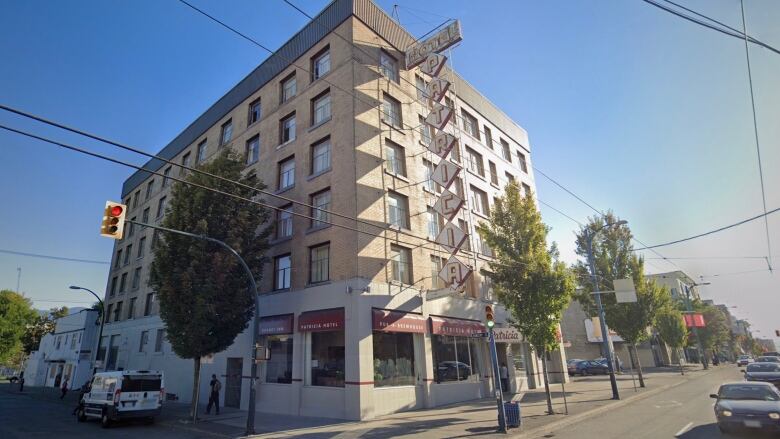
397,321
276,325
694,320
460,327
322,320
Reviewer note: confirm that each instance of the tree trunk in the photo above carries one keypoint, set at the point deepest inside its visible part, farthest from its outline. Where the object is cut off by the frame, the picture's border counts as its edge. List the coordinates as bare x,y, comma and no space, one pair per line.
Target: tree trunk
195,390
638,366
680,362
546,383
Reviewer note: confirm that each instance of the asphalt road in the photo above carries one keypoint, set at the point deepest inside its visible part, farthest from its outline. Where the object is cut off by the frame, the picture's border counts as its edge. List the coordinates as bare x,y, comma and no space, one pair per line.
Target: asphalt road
682,412
24,417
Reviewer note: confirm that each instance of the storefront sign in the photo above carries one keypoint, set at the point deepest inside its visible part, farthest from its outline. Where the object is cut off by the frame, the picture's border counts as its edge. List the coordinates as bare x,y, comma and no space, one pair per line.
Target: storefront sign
322,320
433,64
276,325
507,335
455,273
439,116
459,327
694,320
442,40
436,89
396,321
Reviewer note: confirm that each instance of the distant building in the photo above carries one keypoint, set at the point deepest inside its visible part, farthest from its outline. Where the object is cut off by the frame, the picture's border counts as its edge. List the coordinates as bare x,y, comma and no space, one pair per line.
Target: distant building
677,282
768,345
65,353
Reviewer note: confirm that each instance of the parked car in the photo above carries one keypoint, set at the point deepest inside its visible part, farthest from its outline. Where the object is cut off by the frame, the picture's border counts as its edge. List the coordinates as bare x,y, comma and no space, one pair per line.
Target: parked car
744,360
571,365
753,405
771,354
763,371
121,395
604,360
767,359
590,367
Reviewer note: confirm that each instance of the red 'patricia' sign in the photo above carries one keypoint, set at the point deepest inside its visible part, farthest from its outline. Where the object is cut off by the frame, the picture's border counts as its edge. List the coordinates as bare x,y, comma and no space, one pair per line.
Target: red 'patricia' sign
694,320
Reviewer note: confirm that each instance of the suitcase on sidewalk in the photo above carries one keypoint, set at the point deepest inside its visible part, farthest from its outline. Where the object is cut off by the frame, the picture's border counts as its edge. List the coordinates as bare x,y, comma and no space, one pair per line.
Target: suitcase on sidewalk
512,412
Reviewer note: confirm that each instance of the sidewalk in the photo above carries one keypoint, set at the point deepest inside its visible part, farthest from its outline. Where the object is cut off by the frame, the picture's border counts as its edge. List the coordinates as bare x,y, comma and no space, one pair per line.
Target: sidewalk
585,396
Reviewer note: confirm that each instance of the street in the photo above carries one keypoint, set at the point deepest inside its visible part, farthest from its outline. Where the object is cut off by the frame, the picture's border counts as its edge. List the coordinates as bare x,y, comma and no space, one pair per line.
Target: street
684,412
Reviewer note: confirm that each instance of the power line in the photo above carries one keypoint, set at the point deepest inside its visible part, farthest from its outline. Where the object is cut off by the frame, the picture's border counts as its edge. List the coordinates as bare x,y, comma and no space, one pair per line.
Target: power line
720,229
736,273
732,33
58,258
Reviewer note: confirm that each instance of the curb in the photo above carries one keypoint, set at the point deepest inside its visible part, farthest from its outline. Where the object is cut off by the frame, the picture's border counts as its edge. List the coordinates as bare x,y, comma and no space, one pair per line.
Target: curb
573,419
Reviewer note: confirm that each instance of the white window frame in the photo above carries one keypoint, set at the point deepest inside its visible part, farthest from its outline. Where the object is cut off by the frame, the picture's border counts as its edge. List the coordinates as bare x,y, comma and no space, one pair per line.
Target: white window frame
320,156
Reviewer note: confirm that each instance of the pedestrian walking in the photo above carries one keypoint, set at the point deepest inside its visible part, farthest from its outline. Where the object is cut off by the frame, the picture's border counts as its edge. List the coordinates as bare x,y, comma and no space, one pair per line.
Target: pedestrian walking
64,387
216,386
504,374
21,381
86,388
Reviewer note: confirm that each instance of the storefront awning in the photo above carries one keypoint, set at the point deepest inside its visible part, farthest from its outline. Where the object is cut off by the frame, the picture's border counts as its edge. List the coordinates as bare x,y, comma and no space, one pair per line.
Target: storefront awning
276,325
397,321
459,327
321,320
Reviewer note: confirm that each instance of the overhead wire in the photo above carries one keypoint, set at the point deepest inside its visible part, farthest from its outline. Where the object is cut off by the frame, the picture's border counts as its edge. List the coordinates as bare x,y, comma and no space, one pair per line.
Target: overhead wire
58,258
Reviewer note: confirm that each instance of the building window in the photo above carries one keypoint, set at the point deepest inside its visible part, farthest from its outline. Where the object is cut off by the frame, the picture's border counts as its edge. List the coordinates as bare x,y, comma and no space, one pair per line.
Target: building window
279,368
144,341
149,189
286,173
425,131
449,102
113,285
136,198
161,207
167,176
128,251
319,263
284,222
155,239
320,205
463,225
455,153
109,312
487,287
287,129
479,201
282,269
123,283
437,264
457,187
391,111
226,136
509,177
435,223
148,304
393,359
253,150
185,163
419,83
131,309
321,109
493,173
320,64
255,112
474,162
73,341
505,152
145,216
470,124
320,156
526,190
327,359
488,137
158,342
395,158
388,66
430,185
118,311
289,88
523,164
141,247
131,227
455,358
118,259
202,149
136,278
398,210
401,264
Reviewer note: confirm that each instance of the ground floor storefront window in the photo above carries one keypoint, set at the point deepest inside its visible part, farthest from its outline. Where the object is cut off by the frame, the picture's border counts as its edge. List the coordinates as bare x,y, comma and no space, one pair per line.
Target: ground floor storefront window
327,359
393,359
279,368
456,358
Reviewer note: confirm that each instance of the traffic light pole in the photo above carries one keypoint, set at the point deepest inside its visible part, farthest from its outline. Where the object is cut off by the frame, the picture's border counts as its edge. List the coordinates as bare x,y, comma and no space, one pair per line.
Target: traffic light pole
250,420
497,382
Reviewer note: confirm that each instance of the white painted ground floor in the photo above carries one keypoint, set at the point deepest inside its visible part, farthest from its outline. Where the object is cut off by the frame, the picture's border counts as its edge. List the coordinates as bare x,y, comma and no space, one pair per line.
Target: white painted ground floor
349,350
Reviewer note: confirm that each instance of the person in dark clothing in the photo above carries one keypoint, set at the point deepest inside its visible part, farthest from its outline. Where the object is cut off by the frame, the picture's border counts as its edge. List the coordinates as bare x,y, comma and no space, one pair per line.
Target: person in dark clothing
216,386
86,388
21,381
64,388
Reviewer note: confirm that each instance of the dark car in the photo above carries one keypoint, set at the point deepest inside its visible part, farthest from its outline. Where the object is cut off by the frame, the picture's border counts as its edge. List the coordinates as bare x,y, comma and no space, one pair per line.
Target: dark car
767,359
589,367
571,365
766,372
604,361
751,405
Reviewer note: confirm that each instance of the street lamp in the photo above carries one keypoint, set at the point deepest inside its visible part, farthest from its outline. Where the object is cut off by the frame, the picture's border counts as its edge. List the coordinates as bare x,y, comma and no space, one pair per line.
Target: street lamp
102,321
695,329
589,235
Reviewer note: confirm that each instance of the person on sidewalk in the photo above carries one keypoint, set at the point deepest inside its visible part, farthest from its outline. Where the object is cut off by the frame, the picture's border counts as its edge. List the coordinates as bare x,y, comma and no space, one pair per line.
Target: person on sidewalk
21,382
86,388
216,386
64,387
504,374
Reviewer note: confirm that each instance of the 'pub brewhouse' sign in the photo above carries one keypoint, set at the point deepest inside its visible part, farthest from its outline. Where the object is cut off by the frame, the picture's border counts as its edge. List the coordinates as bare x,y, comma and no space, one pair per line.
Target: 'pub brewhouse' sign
426,55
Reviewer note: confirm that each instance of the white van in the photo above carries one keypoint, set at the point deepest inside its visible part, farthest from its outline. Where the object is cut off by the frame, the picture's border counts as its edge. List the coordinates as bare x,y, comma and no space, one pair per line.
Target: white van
123,394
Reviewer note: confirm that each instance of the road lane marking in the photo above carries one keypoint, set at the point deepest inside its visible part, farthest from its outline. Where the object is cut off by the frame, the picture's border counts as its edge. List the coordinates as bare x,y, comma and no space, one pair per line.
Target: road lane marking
684,429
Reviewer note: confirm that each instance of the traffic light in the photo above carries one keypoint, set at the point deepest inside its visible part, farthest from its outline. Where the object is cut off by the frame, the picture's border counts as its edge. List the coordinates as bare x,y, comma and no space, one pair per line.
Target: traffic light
489,319
113,225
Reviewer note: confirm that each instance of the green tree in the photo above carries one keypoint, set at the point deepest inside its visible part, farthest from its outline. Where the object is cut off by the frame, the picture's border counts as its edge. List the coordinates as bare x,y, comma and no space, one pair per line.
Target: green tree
614,258
529,280
716,331
43,324
204,294
672,330
16,313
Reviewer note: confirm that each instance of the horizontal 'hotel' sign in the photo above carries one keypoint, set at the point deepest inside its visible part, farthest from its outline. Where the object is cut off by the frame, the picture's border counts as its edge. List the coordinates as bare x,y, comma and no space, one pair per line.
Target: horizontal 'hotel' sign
445,38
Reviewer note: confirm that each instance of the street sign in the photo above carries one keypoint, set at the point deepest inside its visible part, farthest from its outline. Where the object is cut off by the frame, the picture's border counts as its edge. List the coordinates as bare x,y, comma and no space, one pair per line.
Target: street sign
480,334
625,291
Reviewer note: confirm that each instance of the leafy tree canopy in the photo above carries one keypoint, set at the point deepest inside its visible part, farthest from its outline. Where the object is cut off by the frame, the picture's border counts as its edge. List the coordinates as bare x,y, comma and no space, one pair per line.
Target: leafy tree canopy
43,324
16,313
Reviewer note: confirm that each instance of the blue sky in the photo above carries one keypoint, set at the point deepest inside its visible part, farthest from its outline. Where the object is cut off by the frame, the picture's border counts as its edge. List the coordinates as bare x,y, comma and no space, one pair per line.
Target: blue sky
630,107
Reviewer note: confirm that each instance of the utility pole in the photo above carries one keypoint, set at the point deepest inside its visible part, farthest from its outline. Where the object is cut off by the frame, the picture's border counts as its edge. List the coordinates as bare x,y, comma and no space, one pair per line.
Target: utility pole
589,235
250,420
102,322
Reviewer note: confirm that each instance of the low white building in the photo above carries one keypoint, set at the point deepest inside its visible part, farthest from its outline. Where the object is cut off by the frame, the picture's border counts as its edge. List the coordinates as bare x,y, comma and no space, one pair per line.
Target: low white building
67,353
